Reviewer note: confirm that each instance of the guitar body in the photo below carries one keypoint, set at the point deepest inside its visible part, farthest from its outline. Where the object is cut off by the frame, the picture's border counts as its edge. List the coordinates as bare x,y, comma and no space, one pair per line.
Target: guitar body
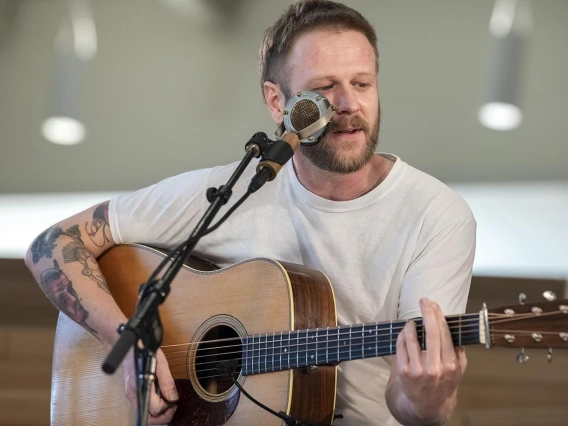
257,296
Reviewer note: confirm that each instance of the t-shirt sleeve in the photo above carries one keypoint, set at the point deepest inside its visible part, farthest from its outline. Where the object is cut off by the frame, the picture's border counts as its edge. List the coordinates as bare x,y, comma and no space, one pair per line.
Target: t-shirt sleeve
441,269
161,215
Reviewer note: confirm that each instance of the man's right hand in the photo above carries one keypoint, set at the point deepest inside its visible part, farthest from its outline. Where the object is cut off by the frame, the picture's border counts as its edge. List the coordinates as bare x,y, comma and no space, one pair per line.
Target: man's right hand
162,408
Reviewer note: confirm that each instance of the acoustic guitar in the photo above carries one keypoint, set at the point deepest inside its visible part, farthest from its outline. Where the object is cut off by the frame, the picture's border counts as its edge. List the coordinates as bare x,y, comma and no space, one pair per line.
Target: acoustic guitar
276,320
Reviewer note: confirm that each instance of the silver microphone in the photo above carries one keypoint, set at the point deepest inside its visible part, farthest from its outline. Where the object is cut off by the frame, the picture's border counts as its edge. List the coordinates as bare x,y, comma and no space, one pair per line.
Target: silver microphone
308,115
307,118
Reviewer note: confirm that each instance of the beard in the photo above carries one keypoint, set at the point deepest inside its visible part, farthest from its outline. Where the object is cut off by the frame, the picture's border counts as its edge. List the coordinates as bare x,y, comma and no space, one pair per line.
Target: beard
326,157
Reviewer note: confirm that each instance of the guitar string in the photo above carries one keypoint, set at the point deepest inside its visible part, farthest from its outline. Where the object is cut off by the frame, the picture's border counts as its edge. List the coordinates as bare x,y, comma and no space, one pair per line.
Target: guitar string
302,341
470,321
278,345
265,367
464,323
358,345
505,318
384,326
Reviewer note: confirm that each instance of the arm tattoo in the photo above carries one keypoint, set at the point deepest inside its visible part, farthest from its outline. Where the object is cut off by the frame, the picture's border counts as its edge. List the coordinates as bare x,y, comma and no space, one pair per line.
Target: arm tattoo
99,229
44,244
76,252
60,291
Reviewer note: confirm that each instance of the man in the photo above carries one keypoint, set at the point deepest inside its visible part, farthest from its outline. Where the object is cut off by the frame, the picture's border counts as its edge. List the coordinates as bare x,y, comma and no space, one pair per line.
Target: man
385,233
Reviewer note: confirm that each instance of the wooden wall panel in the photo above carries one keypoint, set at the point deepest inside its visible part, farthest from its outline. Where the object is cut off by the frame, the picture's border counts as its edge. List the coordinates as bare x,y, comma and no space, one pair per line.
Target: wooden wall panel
27,330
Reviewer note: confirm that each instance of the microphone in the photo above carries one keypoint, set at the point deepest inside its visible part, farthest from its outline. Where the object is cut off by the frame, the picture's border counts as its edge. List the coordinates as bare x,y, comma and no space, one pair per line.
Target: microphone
307,119
307,114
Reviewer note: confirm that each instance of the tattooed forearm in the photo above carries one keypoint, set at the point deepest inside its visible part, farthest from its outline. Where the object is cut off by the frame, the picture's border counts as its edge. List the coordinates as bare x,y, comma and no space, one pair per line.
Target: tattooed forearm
99,230
76,252
44,244
60,291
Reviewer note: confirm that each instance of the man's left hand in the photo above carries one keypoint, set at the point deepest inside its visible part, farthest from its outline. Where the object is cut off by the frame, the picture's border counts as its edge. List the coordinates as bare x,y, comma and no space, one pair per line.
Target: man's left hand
429,379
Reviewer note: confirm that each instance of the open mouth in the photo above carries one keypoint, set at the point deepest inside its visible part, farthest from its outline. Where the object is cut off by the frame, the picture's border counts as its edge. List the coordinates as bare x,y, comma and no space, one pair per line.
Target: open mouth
347,131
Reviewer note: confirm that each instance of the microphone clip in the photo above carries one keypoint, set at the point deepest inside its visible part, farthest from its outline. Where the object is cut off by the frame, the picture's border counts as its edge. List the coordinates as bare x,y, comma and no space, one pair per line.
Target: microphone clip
273,154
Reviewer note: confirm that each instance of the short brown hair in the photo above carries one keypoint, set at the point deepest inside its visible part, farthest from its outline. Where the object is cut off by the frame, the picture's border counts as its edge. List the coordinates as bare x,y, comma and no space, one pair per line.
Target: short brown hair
301,17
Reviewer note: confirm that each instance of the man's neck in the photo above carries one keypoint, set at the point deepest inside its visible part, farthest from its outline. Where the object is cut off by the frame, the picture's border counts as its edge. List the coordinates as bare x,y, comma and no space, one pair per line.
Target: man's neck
342,187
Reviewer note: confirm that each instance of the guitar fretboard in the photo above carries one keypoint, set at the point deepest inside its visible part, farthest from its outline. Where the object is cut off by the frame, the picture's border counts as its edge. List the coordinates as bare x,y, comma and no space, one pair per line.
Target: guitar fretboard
264,353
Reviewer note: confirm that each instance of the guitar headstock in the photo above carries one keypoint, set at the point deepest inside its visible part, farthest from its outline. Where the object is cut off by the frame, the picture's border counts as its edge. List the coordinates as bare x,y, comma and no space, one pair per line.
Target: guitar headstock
530,325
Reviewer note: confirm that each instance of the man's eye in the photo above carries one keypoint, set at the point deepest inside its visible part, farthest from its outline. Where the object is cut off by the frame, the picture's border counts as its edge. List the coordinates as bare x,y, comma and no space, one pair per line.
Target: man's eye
324,88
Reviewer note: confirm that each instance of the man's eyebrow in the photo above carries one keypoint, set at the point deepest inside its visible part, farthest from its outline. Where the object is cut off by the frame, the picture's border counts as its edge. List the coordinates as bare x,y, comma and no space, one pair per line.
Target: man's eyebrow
315,80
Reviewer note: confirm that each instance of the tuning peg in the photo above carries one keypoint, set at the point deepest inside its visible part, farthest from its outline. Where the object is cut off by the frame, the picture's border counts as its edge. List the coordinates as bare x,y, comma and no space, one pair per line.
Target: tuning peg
549,356
522,357
548,295
522,298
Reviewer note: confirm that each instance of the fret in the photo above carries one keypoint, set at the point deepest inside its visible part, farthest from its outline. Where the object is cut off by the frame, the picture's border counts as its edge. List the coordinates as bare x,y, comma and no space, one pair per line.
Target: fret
296,346
369,342
280,353
422,329
376,339
302,346
322,347
338,344
344,343
269,353
460,331
258,360
391,338
312,348
245,356
306,348
332,346
252,356
384,339
287,348
356,342
345,351
264,356
273,339
317,338
369,348
363,341
327,347
350,341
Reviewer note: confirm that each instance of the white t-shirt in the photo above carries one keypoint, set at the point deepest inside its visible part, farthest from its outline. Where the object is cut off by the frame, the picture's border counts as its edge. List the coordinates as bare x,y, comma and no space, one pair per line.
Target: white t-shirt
408,238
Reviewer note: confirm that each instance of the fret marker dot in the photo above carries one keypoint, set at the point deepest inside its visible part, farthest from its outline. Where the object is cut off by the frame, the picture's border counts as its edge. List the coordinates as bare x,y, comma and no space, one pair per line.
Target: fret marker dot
285,350
344,343
312,357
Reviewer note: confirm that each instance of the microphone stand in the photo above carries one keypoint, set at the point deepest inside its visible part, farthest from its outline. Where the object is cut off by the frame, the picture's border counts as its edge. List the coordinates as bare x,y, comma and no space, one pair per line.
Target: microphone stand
145,324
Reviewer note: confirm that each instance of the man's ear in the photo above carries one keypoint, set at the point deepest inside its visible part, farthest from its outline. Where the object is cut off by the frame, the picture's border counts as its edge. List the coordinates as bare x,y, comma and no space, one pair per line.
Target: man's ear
274,100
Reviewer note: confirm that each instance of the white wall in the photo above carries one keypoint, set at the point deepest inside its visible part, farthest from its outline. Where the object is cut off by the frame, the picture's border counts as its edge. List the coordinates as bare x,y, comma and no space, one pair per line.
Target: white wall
522,229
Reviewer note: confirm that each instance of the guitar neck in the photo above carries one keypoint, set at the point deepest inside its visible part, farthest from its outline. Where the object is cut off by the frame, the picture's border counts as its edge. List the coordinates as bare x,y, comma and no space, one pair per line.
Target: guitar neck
264,353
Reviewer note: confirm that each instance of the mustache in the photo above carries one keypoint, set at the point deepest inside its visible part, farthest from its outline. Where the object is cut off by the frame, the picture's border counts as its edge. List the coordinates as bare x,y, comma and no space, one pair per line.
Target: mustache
343,123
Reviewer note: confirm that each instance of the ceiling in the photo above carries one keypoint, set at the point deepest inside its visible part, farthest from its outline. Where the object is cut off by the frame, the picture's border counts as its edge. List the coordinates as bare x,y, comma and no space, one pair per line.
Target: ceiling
169,92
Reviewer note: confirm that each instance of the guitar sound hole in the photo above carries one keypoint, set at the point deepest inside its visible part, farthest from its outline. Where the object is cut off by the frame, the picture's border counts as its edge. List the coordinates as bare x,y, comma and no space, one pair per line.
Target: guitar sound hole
221,343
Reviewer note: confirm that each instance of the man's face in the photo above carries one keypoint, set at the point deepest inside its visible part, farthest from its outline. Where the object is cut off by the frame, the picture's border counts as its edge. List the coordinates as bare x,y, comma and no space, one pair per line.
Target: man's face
340,66
60,290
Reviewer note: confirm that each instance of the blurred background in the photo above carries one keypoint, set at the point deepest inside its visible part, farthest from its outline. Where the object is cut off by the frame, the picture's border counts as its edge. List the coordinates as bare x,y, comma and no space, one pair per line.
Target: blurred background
103,97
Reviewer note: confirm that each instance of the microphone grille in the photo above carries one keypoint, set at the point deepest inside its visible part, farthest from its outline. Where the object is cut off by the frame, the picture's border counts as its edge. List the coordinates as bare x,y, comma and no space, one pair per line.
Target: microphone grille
304,113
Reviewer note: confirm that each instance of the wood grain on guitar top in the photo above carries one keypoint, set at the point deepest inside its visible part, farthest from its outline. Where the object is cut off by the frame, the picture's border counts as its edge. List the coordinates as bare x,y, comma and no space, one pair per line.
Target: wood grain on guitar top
261,295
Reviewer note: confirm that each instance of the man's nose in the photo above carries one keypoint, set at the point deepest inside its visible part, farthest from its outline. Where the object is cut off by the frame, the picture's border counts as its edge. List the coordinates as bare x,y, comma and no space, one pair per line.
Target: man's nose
346,101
